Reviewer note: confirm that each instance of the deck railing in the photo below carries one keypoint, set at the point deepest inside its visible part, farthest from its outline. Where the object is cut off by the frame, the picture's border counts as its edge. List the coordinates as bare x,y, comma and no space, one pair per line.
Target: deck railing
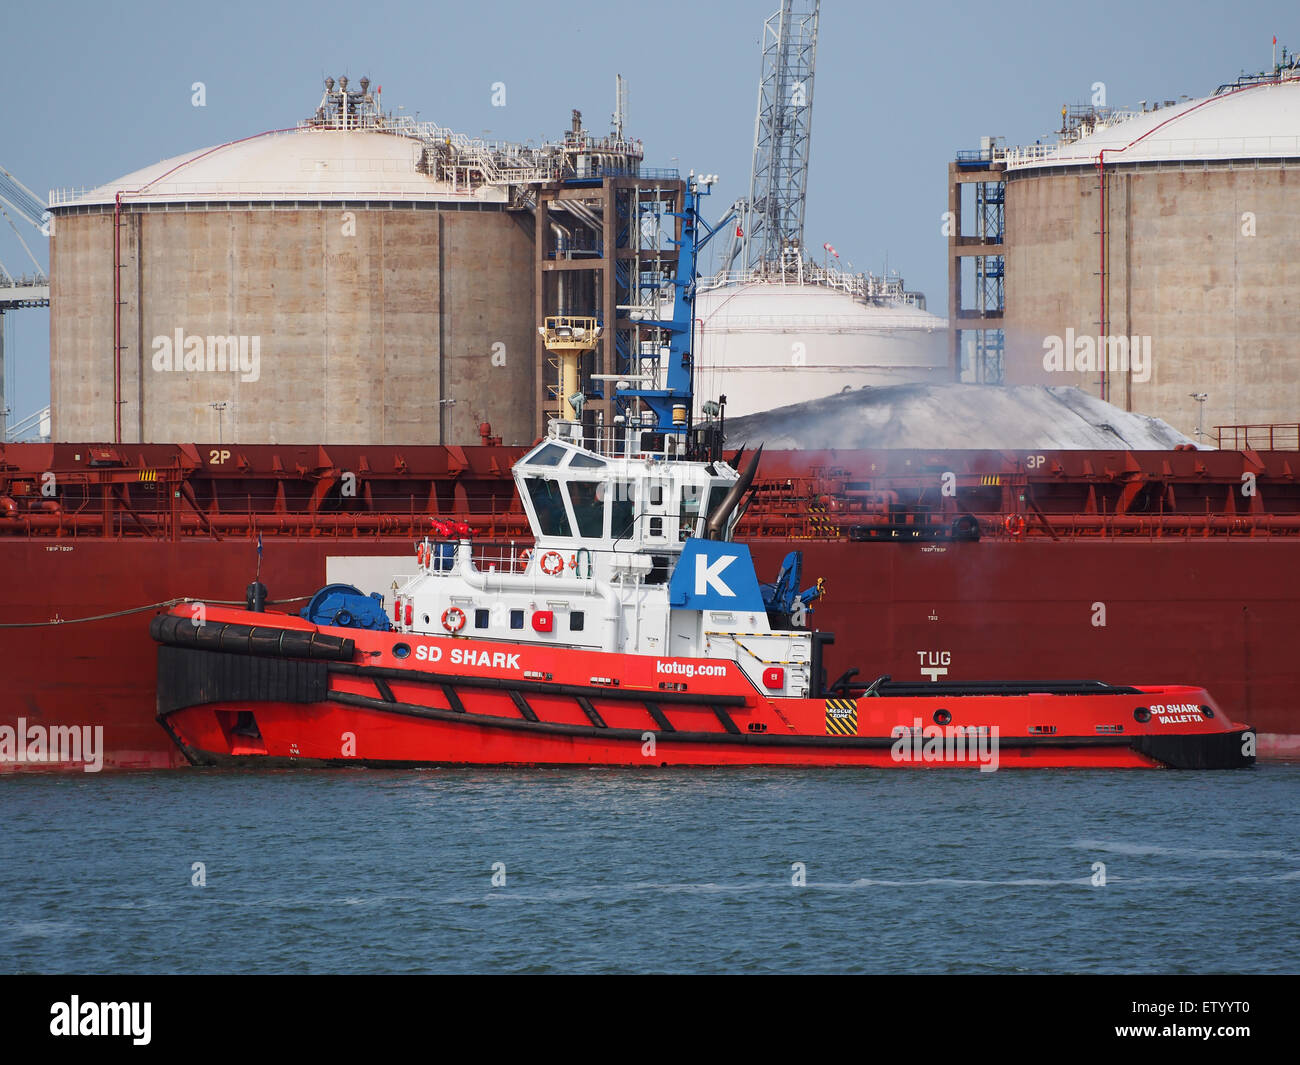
1276,437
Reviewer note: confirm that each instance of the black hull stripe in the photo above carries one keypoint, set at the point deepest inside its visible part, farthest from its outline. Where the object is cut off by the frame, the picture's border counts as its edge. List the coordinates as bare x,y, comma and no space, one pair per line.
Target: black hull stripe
664,724
453,698
523,706
592,714
724,718
538,687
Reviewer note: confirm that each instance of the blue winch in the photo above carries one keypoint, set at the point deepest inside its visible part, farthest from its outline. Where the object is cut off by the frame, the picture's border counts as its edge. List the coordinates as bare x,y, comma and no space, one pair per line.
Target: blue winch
348,607
783,600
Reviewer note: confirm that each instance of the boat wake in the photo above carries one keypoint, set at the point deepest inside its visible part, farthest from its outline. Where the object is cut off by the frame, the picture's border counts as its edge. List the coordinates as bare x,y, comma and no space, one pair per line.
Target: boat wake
1139,850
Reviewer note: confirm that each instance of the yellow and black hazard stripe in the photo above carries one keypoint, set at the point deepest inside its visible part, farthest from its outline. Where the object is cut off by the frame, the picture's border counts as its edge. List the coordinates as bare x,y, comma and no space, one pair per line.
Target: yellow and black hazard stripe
820,523
991,480
149,476
841,717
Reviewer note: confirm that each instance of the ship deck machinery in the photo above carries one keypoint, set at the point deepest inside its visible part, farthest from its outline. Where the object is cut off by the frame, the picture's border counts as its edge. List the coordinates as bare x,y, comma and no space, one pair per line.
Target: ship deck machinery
170,493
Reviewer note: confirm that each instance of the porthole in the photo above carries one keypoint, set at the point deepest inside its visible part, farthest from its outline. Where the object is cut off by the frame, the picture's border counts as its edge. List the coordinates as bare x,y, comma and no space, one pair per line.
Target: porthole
1208,711
942,717
1142,714
401,650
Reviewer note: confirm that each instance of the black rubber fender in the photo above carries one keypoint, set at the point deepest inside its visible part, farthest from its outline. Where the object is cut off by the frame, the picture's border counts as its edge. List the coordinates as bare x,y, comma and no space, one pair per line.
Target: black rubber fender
174,631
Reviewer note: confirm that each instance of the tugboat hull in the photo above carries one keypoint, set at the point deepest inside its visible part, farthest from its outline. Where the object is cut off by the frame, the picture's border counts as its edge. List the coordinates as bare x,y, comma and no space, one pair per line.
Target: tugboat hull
250,689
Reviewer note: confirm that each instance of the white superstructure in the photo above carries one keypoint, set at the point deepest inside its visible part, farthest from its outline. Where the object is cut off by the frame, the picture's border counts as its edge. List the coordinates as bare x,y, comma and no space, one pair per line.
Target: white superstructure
631,556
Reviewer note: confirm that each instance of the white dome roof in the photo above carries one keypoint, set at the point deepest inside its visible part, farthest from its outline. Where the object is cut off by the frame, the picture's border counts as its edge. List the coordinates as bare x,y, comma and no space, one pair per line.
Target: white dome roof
1256,122
801,308
307,164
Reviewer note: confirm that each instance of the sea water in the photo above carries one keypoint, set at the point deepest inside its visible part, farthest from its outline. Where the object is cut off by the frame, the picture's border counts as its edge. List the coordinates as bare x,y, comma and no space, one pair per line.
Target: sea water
612,870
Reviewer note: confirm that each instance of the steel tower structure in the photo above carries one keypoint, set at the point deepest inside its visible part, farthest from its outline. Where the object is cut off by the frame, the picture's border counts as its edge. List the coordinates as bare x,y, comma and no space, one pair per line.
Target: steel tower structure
772,226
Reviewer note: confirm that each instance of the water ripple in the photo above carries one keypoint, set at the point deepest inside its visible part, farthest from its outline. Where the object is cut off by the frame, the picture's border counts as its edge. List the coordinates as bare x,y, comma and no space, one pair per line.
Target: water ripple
606,871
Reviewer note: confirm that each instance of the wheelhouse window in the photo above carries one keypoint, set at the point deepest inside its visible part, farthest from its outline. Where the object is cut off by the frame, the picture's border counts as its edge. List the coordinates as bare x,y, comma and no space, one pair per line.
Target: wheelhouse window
588,507
546,455
689,513
622,513
691,510
548,501
716,492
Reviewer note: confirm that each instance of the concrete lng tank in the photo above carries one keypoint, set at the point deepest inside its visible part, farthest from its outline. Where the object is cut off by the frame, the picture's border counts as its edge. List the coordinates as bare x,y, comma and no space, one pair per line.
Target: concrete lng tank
327,283
1157,255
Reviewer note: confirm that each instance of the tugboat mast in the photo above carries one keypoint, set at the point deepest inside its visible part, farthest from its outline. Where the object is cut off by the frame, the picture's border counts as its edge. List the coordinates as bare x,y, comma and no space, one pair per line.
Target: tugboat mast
671,402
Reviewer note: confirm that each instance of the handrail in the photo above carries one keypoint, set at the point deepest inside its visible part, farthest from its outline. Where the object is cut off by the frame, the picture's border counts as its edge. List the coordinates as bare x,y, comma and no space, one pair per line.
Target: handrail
1281,437
277,190
864,286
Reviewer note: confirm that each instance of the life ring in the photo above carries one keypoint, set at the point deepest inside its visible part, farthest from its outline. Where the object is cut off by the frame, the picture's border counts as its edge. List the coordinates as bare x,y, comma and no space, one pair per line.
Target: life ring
1015,524
421,554
525,556
453,619
552,563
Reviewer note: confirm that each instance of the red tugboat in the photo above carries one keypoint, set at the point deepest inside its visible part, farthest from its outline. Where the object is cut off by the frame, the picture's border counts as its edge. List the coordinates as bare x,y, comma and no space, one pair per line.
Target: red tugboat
634,632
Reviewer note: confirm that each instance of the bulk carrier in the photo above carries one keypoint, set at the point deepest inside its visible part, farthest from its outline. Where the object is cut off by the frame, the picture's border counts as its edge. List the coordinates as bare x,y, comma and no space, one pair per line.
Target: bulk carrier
1122,564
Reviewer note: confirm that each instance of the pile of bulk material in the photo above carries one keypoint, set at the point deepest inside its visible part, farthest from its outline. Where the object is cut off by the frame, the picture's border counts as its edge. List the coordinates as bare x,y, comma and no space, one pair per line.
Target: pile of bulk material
955,416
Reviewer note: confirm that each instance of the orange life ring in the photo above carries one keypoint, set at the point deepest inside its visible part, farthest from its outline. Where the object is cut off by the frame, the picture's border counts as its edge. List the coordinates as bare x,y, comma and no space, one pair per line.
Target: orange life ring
421,555
453,619
525,556
552,563
1015,524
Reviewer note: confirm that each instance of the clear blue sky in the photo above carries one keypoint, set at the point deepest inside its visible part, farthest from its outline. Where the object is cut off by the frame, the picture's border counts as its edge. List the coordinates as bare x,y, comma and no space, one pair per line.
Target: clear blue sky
96,90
